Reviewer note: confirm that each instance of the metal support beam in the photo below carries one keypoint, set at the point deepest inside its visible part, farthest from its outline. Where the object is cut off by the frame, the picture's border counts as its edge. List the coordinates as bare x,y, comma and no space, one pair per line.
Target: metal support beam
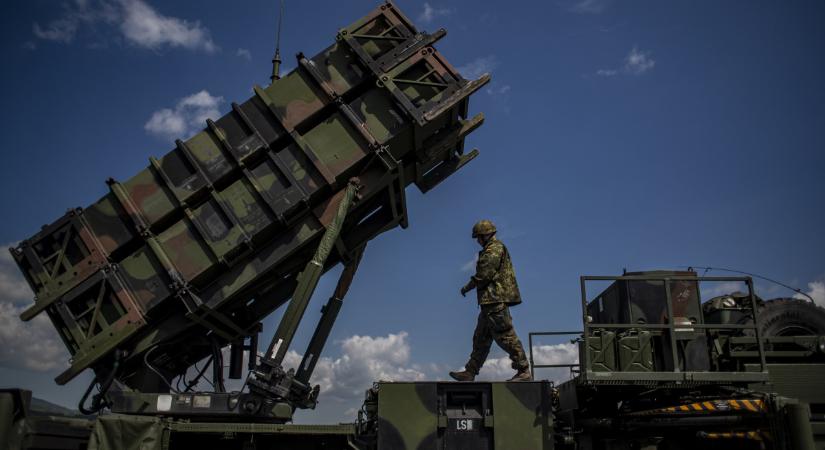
307,281
329,314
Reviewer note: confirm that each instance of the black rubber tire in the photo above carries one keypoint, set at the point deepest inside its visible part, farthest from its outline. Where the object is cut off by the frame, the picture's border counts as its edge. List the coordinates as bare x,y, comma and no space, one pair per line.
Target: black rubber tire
791,317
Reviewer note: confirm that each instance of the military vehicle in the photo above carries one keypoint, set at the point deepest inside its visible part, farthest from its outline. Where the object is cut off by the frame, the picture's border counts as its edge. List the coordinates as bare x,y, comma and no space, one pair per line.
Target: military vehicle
188,256
659,368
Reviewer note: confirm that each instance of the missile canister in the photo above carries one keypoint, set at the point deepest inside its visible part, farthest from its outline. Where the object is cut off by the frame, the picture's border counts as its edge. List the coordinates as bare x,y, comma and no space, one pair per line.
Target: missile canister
208,239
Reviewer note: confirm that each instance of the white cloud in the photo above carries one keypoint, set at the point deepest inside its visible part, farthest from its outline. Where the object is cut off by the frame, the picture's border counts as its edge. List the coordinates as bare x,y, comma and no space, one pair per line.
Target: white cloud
478,67
816,290
565,353
32,345
61,30
136,20
588,6
363,360
13,287
714,289
144,26
187,117
636,62
244,53
65,28
430,13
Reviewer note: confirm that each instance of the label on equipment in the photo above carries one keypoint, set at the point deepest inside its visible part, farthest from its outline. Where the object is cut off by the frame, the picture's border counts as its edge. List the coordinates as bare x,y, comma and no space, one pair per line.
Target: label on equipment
275,348
464,425
164,403
202,401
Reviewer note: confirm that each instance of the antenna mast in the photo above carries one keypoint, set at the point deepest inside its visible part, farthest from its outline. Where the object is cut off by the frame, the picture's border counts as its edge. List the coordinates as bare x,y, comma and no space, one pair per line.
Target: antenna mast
276,59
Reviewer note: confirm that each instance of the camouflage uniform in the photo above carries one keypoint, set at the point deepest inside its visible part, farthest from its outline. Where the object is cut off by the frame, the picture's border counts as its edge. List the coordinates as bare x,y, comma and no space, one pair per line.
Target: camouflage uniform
496,289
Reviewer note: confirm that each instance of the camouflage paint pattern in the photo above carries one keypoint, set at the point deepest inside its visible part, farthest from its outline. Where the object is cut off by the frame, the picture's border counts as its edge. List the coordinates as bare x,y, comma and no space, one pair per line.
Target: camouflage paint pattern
522,416
294,99
495,278
495,324
337,135
407,416
340,67
216,229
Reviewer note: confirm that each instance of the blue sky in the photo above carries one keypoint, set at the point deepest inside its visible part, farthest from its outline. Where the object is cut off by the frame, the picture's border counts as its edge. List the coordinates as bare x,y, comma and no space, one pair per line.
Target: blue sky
632,135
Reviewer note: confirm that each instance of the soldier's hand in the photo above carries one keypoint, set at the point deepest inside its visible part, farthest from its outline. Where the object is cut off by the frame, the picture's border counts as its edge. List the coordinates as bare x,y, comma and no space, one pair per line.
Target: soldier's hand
464,291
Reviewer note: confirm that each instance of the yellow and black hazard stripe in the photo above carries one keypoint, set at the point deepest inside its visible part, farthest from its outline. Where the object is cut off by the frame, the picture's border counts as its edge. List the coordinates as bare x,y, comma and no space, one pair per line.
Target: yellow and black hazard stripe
749,435
753,405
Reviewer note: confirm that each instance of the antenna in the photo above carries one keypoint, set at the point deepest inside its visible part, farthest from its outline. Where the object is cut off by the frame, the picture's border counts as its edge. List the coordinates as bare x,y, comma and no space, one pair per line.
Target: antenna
276,59
797,290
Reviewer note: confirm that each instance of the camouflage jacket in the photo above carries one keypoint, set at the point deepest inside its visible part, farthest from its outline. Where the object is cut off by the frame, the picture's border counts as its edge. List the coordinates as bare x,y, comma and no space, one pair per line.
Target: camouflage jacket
495,279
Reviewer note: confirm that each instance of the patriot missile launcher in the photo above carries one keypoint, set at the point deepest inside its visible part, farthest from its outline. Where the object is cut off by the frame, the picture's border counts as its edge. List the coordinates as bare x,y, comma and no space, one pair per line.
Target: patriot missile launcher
190,254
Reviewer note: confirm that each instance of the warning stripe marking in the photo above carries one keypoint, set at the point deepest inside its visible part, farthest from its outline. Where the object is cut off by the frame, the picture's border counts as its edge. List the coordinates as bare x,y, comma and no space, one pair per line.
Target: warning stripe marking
709,406
750,405
750,435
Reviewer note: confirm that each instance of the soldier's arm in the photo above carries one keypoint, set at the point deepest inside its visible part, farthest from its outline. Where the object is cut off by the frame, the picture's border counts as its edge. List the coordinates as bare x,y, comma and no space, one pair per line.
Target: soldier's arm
487,266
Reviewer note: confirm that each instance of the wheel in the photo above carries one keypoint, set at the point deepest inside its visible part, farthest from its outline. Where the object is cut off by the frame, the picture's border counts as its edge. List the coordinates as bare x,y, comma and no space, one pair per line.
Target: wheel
791,317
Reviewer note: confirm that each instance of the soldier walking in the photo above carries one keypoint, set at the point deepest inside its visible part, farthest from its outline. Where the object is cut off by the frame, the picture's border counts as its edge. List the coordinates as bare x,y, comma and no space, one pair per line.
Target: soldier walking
496,289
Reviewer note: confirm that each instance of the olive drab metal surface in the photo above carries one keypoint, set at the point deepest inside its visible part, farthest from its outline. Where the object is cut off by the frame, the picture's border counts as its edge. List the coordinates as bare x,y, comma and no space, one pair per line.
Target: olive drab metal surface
470,415
209,238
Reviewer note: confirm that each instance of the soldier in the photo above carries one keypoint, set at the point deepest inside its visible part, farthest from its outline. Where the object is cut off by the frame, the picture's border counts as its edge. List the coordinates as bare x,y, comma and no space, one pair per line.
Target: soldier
496,288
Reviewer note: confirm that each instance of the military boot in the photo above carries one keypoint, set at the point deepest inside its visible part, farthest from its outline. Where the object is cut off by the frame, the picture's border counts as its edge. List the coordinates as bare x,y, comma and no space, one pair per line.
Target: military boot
464,375
522,375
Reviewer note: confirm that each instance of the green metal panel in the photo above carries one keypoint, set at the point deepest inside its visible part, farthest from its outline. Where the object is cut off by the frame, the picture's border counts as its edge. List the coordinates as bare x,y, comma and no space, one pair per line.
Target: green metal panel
295,98
407,416
805,382
206,150
144,274
340,142
147,193
188,254
107,219
340,67
381,116
521,416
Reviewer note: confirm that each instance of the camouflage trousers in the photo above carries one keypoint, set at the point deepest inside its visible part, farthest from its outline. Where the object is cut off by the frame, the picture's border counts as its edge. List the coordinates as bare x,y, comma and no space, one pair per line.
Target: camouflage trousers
495,324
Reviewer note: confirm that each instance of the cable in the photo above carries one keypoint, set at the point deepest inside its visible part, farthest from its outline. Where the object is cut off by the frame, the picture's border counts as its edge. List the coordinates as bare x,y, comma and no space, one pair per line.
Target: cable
217,366
157,372
797,290
197,378
98,400
81,406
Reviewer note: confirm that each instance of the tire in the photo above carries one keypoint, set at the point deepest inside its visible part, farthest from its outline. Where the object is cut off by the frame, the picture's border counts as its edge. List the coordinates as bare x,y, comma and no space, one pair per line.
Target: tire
791,317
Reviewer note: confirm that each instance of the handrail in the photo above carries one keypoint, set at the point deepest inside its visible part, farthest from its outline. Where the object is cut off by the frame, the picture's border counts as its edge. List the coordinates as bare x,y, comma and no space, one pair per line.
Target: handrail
671,328
534,366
